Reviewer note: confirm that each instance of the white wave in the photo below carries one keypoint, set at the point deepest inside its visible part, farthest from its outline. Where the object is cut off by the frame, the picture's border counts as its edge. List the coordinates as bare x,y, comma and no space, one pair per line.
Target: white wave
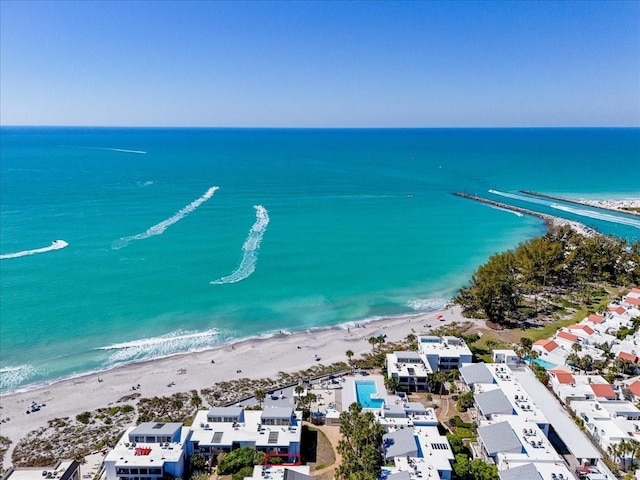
159,228
12,376
175,342
122,150
507,210
250,249
598,215
55,245
428,304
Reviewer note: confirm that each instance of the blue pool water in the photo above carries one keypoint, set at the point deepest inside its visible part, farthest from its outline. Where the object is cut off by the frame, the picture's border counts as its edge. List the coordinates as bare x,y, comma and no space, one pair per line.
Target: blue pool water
364,390
543,363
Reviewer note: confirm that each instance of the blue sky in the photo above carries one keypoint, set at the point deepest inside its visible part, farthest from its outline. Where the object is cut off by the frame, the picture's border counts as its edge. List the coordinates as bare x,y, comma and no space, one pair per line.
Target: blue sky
320,64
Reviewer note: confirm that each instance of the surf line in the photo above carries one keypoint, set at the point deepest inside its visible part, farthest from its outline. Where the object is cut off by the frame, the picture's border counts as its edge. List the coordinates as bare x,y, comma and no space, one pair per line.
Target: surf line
159,228
249,249
55,245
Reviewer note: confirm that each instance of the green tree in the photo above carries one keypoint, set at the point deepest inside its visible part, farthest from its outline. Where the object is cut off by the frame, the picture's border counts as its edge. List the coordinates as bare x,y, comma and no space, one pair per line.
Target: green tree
239,458
436,381
495,287
462,466
260,395
391,383
198,463
483,471
349,354
373,341
360,446
465,402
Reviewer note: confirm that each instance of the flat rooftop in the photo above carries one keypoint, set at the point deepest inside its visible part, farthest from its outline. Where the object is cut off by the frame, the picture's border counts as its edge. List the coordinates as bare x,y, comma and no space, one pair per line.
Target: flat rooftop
576,441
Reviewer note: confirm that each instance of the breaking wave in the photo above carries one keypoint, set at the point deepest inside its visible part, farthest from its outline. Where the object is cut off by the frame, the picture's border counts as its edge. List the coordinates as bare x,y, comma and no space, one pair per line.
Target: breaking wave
159,228
428,304
13,376
56,245
172,343
250,249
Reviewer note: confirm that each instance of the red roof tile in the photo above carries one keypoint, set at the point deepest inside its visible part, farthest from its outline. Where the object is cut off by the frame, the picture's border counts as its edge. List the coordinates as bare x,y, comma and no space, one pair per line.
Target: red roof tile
593,318
627,356
563,376
635,290
619,310
547,344
635,388
603,390
632,300
585,328
567,336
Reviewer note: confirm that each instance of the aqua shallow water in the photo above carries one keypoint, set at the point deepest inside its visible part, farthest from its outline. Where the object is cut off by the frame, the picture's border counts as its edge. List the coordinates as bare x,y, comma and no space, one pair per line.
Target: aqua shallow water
308,229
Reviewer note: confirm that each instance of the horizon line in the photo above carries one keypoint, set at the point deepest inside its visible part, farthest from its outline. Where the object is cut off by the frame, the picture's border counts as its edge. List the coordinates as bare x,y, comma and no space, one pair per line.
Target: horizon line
539,127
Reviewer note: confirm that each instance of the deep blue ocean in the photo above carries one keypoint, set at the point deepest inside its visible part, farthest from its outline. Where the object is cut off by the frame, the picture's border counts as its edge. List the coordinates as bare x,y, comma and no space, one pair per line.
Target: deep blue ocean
306,229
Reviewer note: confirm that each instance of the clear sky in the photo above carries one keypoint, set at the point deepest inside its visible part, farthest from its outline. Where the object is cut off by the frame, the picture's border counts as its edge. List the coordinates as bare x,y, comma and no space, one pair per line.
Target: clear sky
320,64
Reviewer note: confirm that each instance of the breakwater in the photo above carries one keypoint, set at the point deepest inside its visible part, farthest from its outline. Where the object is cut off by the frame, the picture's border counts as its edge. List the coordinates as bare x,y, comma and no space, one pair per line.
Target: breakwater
549,220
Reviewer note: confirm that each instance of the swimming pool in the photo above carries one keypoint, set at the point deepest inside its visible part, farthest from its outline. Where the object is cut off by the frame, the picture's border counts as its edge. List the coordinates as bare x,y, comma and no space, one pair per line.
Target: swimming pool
539,361
364,390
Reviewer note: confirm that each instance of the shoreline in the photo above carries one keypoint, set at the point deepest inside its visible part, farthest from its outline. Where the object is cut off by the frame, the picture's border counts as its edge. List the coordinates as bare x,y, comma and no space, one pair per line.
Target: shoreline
253,358
230,344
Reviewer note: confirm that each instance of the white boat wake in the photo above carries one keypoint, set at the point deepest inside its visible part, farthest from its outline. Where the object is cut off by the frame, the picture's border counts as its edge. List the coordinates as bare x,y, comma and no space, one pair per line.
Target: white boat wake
520,197
56,245
109,149
250,249
598,216
159,228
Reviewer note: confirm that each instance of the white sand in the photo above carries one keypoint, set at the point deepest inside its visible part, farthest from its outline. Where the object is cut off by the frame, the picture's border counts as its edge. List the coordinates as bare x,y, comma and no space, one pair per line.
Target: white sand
256,359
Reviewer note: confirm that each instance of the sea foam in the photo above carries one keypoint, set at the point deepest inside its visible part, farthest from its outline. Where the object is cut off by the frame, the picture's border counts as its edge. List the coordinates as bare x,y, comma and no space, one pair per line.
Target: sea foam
13,376
159,228
154,347
56,245
250,249
428,304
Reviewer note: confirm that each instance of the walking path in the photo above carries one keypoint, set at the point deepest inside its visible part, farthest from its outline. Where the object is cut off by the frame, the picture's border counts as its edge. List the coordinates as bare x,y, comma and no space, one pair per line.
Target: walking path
334,436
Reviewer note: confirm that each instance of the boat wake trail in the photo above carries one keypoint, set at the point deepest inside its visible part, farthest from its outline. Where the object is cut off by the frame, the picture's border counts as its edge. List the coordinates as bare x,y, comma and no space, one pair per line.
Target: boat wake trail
56,245
520,197
159,228
109,149
597,215
250,249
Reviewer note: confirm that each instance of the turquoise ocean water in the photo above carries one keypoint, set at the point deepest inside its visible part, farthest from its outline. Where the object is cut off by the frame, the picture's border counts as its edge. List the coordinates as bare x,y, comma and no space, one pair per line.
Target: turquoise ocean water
307,229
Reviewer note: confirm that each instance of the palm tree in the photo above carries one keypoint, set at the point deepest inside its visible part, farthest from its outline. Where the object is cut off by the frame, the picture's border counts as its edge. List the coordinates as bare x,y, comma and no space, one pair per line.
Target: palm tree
260,395
349,354
373,341
436,380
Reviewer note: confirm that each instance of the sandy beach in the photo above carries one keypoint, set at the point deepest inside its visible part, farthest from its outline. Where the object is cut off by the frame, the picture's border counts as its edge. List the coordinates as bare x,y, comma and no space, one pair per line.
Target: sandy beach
257,358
